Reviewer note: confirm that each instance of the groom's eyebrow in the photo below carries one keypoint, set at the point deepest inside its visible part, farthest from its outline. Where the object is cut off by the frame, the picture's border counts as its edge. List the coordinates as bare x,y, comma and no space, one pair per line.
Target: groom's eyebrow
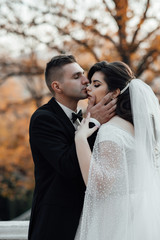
78,73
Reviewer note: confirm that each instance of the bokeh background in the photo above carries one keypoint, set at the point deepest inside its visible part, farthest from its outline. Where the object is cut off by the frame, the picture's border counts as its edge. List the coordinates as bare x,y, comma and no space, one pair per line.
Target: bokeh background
33,31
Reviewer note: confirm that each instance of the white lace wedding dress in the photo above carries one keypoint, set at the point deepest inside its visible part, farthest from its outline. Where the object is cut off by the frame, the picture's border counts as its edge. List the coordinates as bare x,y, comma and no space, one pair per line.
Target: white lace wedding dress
114,208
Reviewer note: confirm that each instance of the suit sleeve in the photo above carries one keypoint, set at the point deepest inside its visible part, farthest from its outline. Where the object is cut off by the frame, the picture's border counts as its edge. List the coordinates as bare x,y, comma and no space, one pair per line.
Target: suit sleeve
92,138
49,138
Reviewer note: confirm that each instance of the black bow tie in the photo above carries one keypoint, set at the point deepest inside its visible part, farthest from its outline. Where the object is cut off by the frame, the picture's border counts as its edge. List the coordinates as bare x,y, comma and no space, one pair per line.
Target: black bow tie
77,115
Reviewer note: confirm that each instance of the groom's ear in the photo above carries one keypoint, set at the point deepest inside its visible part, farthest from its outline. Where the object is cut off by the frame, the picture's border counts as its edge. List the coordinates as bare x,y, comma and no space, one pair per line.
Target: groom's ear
56,87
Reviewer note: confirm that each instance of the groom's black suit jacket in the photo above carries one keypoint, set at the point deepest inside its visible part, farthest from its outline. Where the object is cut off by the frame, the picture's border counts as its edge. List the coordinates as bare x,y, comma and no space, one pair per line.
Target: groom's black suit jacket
59,187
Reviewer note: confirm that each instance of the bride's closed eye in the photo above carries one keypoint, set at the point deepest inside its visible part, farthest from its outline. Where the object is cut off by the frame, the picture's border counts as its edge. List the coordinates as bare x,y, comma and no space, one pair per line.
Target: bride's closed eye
97,85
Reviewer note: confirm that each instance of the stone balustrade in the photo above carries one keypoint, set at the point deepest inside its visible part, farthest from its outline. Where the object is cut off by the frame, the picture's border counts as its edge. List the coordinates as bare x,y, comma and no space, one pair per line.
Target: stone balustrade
13,230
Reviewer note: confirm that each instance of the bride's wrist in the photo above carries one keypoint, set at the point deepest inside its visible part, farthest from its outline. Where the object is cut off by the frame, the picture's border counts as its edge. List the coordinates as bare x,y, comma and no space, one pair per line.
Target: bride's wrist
80,138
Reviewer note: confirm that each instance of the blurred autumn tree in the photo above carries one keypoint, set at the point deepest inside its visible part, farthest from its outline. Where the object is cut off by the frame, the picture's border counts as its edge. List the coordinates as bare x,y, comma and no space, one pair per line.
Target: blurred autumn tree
31,32
128,30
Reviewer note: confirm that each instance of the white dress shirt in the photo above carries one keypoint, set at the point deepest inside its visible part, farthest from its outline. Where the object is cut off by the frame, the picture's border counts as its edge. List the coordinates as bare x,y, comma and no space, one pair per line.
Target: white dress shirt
69,112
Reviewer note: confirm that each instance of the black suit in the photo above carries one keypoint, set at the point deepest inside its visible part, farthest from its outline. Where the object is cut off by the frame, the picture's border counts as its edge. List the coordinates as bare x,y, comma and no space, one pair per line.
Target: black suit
59,187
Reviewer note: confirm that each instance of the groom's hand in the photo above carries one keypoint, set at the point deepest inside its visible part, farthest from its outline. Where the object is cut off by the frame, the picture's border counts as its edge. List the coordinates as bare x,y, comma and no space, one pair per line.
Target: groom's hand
104,110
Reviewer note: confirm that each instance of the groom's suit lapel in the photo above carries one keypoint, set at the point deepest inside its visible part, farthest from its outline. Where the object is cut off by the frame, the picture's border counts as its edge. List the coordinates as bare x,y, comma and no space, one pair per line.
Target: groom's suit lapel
62,116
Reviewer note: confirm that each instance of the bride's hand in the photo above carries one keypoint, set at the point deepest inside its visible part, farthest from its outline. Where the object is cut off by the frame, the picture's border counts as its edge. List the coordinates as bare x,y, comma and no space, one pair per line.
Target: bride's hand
83,131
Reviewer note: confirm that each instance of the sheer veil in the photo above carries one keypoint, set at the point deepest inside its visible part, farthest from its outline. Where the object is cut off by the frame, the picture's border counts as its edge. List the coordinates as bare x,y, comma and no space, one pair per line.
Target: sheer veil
122,199
146,118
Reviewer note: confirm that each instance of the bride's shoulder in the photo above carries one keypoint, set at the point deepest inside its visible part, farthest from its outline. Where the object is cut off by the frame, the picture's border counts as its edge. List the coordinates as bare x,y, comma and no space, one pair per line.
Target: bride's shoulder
117,125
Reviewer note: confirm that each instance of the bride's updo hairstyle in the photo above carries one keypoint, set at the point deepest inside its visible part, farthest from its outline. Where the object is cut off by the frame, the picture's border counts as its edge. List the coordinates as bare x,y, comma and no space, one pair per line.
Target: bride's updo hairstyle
116,75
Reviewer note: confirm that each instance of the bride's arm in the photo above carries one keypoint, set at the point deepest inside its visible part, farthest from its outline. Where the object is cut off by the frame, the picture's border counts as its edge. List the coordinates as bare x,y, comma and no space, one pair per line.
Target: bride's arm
82,147
84,156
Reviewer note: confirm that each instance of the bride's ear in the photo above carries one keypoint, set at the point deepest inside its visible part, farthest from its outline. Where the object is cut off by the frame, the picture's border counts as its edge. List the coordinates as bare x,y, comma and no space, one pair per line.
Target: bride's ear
115,93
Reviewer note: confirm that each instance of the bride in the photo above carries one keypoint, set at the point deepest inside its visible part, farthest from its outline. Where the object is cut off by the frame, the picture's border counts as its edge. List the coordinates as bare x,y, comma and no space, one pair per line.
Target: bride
122,175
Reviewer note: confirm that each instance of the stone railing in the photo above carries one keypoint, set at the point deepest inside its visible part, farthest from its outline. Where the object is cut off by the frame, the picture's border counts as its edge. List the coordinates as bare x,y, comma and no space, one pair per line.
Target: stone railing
13,230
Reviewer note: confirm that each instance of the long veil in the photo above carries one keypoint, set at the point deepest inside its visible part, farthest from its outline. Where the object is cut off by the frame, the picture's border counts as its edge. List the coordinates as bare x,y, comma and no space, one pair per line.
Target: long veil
122,199
146,118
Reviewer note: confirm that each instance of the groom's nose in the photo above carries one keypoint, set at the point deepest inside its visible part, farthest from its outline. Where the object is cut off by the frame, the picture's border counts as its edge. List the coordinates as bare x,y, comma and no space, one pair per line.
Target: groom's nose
85,80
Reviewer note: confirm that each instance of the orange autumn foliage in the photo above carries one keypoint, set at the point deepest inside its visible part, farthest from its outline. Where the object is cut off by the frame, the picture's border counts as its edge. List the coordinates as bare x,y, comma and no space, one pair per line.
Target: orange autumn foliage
16,167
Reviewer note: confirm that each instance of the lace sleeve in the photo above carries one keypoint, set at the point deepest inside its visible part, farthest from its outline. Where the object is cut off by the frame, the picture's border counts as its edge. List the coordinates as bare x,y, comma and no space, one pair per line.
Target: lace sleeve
107,169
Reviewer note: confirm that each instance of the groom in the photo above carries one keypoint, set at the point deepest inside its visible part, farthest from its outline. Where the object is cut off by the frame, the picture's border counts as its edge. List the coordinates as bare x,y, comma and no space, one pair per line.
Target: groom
59,187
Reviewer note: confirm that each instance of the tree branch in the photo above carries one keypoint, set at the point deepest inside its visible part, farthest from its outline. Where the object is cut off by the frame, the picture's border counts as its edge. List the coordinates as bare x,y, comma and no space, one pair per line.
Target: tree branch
85,27
142,20
108,9
134,47
82,43
144,63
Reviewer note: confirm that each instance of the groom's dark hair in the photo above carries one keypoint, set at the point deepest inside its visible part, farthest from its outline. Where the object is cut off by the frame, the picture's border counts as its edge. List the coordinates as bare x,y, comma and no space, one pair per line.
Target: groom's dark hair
54,70
116,75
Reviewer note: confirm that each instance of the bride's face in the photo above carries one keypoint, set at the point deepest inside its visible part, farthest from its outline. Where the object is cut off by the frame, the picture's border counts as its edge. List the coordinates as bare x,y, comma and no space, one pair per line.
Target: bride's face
98,87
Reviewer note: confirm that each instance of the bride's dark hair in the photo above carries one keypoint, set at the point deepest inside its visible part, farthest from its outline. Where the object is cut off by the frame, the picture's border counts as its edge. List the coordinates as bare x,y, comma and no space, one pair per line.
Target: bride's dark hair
116,75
